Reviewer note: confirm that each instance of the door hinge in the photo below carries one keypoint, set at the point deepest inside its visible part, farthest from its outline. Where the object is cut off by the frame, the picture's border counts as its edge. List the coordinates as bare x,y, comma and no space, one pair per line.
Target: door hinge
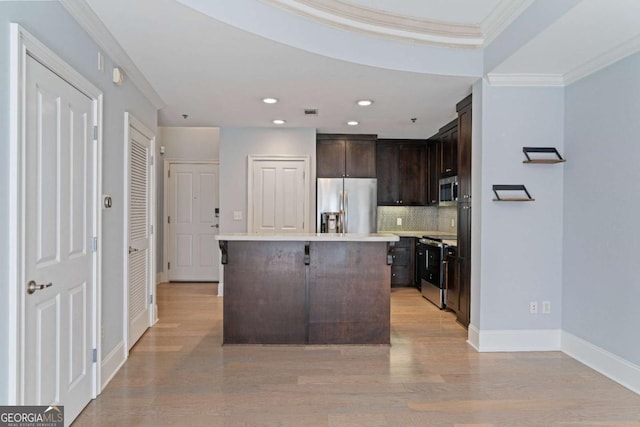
168,220
151,229
169,173
95,133
94,355
94,244
150,299
151,160
168,266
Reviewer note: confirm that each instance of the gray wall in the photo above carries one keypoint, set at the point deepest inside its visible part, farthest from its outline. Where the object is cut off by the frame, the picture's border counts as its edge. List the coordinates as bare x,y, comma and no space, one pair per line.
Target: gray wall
52,25
521,243
235,145
181,143
601,288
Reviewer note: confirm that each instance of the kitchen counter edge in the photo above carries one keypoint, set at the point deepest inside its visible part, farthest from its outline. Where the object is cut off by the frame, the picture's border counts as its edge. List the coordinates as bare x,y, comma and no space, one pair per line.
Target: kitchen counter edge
310,237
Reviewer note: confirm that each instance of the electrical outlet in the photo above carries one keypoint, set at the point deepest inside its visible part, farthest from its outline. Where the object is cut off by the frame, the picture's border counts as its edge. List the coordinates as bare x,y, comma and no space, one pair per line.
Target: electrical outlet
398,221
533,307
453,222
237,215
546,307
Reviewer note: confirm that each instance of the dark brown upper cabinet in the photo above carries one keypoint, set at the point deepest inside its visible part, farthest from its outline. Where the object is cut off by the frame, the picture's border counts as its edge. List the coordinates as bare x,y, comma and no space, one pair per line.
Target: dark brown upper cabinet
449,149
464,149
345,156
402,172
433,172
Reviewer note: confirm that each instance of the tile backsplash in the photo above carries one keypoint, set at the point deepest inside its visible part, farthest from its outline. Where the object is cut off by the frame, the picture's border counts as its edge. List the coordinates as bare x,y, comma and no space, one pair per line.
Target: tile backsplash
417,218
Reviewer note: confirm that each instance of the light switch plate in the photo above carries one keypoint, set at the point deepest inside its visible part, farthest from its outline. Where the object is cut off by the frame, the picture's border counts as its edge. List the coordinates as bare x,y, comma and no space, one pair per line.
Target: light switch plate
398,221
237,215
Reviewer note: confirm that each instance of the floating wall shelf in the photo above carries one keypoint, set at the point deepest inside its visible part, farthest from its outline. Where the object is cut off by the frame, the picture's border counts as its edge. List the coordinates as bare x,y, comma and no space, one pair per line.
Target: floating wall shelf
522,188
545,150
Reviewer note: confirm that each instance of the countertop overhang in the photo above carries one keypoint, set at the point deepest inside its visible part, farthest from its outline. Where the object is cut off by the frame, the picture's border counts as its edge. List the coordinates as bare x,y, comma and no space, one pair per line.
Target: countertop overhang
310,237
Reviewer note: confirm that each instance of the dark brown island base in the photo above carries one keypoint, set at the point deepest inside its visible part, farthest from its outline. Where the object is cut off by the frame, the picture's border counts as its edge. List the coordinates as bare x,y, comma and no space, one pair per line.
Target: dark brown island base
306,289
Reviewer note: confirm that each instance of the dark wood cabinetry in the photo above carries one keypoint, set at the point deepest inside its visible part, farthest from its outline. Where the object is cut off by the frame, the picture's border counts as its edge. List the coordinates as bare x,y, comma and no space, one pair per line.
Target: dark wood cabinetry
451,279
433,172
348,156
402,172
449,149
403,267
464,149
464,211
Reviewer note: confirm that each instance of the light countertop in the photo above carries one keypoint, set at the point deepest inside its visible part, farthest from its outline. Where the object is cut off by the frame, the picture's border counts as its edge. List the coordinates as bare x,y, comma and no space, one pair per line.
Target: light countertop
447,238
311,237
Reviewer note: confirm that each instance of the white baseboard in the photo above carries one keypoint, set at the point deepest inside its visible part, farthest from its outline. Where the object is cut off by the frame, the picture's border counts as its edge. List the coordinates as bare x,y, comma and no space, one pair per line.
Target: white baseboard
112,364
608,364
473,337
161,277
512,340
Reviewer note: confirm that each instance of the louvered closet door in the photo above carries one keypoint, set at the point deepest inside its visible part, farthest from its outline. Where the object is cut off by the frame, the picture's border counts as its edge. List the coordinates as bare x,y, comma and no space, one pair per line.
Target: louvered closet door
139,280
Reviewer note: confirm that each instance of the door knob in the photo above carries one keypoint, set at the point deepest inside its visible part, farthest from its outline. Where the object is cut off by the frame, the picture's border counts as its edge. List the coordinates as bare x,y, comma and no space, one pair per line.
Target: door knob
32,286
215,226
131,249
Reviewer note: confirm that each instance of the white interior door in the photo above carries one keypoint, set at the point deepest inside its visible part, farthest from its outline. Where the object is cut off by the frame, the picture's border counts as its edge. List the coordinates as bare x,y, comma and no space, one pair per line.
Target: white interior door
139,252
59,259
278,196
193,222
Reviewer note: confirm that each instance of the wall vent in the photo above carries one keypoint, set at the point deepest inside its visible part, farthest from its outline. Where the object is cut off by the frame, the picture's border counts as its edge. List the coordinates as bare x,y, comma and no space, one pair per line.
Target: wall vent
310,111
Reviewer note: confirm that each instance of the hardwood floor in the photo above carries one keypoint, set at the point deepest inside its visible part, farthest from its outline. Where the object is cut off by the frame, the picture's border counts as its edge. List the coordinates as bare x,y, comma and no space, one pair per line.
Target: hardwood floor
179,374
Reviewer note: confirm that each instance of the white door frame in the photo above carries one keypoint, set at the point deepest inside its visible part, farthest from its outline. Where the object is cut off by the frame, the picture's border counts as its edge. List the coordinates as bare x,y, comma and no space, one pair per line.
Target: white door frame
251,159
165,209
23,44
130,120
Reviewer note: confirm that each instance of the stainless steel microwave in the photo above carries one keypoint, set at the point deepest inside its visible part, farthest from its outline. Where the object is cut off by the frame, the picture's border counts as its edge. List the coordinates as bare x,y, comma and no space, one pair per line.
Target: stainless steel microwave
448,191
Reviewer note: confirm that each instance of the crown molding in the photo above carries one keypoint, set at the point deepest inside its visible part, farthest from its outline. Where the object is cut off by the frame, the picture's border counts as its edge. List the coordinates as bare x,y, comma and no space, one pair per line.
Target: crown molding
370,21
526,80
501,17
90,22
598,63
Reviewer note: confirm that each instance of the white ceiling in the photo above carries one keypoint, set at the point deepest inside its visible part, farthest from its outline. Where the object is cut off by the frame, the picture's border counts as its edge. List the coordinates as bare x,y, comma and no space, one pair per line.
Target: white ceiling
217,73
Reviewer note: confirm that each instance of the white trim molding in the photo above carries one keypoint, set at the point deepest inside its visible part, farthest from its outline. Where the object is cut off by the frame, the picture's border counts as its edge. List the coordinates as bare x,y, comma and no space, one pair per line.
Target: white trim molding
374,21
608,364
526,80
112,363
514,340
90,22
501,17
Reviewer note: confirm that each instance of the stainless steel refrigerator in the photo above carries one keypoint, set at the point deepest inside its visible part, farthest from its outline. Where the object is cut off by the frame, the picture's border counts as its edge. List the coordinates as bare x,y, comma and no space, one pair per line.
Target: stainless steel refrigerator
353,199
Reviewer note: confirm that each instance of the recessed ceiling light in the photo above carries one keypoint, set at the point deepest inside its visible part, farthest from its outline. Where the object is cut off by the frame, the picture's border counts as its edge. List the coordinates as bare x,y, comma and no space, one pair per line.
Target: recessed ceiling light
278,122
352,123
269,100
364,102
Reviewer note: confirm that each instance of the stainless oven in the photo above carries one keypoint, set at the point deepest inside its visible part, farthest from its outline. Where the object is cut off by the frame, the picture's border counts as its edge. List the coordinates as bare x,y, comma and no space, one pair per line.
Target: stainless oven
448,191
431,272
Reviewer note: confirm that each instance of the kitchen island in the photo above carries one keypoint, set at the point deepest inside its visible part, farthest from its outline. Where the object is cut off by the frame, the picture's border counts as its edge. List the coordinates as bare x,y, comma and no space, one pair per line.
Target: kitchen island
306,288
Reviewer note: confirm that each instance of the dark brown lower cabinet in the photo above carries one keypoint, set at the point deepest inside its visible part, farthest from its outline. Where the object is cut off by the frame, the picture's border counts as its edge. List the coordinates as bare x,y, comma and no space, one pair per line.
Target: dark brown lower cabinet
276,294
403,267
451,280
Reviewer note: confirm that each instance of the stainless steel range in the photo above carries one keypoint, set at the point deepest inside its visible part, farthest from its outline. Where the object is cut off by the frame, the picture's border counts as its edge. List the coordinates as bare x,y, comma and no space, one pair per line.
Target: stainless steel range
430,253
